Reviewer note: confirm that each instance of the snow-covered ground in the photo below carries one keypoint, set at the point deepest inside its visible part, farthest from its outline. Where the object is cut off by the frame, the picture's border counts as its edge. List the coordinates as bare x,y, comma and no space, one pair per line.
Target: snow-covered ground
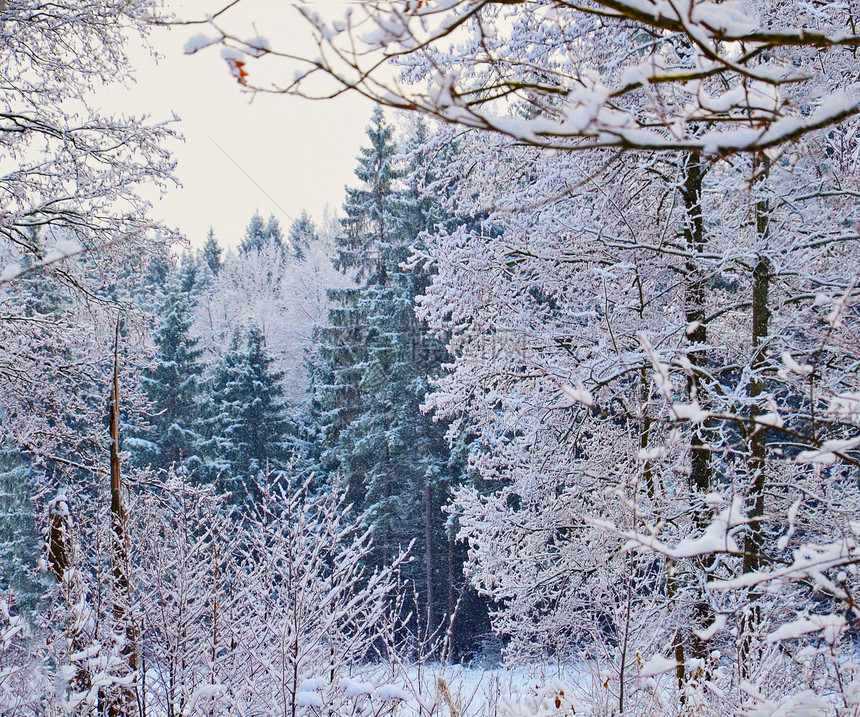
384,690
463,691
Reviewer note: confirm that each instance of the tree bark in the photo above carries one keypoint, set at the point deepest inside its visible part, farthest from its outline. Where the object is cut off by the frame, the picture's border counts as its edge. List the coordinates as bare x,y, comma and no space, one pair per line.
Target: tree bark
700,478
757,440
123,703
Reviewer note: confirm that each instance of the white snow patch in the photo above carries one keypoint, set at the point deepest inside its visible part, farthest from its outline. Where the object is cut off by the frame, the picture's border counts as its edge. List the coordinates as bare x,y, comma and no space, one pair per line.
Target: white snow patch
10,272
657,665
578,394
309,699
354,688
197,43
391,692
832,625
718,625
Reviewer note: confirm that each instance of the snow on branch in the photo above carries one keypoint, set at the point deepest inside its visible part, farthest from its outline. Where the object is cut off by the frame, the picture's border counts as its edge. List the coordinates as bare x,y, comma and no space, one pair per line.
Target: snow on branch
716,537
717,78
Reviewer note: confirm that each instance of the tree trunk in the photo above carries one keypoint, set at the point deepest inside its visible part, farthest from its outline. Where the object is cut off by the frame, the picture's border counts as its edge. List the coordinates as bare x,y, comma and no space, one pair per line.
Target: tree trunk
123,703
428,555
700,478
757,441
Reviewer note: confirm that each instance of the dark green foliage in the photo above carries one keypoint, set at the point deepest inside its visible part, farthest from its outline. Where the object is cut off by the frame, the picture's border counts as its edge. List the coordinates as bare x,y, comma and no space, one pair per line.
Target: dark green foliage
260,233
190,274
172,385
249,432
20,544
211,254
303,233
372,369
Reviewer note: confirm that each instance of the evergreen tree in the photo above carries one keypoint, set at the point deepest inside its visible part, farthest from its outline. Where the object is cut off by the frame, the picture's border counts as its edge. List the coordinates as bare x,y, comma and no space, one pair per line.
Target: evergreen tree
211,254
171,383
260,233
250,432
20,543
374,364
303,233
190,275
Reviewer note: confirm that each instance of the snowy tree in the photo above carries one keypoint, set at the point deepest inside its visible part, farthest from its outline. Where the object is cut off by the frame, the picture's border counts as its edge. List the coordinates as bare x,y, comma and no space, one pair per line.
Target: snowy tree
171,383
283,295
250,434
373,367
262,233
71,188
185,581
677,338
310,609
211,253
302,235
653,302
266,611
625,357
613,73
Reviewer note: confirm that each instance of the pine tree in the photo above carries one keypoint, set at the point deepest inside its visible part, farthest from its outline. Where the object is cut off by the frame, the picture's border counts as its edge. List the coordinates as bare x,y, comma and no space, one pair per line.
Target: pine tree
211,254
260,233
375,361
171,383
190,274
250,432
303,233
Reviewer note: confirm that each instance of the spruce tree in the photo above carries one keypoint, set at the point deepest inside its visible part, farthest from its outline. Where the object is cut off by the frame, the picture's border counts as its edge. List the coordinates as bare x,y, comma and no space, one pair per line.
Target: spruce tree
260,233
172,385
211,253
374,363
250,432
302,234
190,276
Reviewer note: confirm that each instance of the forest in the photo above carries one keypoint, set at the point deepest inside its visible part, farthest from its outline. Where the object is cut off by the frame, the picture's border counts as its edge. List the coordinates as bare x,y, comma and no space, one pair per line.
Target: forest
557,414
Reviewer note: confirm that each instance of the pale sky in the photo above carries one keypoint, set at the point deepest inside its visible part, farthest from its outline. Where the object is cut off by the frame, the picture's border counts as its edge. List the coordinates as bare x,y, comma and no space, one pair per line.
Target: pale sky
301,152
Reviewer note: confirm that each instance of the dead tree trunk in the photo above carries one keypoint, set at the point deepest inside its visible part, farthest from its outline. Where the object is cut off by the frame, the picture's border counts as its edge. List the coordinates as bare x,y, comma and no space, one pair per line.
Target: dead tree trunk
123,703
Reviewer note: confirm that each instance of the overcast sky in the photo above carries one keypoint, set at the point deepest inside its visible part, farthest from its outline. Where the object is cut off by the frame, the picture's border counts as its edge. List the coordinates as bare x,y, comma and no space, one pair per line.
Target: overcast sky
300,152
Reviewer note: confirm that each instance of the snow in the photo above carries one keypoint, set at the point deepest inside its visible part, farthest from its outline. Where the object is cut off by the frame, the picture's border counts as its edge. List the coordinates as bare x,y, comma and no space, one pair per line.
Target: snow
846,406
312,684
793,367
578,394
309,699
831,625
354,688
60,506
10,271
230,54
827,453
651,454
657,665
715,539
259,43
718,625
691,412
802,704
62,249
197,43
728,19
391,692
770,419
